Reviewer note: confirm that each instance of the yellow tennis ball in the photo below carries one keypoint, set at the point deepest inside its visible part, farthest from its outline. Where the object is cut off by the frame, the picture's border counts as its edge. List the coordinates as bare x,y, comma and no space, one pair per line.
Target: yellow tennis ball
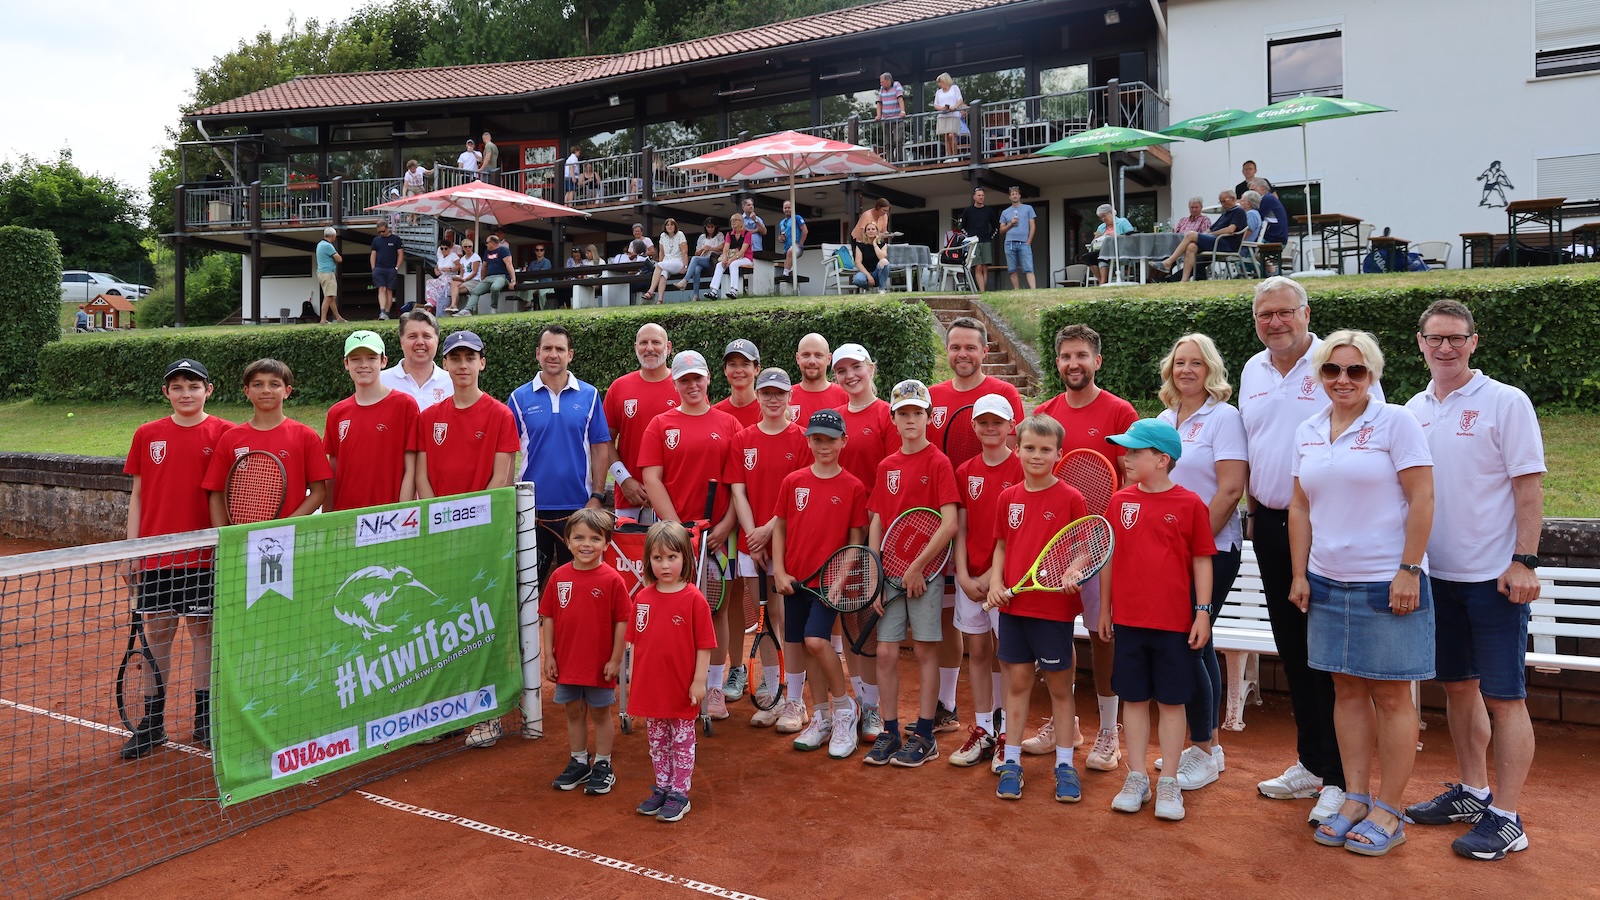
71,415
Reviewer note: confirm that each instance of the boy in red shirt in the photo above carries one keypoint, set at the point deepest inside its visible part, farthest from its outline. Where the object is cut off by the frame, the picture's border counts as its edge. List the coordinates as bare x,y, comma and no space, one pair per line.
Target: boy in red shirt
918,475
168,460
1162,562
762,455
374,431
582,617
1035,626
820,508
267,383
469,442
980,480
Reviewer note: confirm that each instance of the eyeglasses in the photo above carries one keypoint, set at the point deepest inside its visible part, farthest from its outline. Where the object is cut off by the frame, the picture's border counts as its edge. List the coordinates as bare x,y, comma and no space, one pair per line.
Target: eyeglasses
1357,372
1456,340
1282,315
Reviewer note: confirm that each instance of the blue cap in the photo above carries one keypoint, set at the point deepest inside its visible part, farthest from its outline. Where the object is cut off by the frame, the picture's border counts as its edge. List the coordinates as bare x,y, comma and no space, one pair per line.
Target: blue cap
1152,434
462,339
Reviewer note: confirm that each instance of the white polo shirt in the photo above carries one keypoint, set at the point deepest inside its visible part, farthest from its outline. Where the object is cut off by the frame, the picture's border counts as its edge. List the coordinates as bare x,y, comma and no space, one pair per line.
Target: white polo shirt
1214,433
1358,510
436,388
1482,435
1273,406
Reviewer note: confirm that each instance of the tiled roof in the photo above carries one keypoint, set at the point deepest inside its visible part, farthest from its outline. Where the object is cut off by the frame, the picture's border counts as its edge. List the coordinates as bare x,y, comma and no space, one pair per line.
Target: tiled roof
513,78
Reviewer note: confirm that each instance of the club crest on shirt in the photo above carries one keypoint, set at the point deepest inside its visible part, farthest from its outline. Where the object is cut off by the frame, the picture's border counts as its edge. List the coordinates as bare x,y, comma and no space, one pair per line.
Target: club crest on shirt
1364,435
1130,513
672,438
749,459
641,616
344,429
438,394
794,412
893,481
1308,386
629,407
974,486
239,452
938,415
563,593
439,429
802,496
158,452
1014,515
1468,417
1194,430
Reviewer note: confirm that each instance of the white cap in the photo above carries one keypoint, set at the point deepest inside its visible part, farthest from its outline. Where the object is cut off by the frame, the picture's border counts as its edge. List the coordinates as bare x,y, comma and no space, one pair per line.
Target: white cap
689,362
851,351
993,405
910,392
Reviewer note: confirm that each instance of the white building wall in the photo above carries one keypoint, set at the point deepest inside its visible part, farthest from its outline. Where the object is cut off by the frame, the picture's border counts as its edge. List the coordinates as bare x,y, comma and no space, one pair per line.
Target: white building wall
1459,72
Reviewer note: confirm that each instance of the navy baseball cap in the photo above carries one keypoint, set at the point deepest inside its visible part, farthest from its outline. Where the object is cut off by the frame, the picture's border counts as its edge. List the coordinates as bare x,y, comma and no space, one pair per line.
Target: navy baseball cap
826,422
462,339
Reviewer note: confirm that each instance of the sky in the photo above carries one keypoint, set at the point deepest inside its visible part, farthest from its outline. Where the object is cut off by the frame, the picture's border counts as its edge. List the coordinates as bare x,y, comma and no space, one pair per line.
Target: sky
106,77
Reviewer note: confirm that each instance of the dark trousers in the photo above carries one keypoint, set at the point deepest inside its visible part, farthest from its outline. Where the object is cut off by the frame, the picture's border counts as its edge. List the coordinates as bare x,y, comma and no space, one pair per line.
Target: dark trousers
1202,708
1310,691
553,552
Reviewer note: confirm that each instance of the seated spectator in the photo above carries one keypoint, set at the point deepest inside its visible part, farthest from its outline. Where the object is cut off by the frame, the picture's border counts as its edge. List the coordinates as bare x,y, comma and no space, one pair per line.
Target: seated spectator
638,235
445,268
498,273
1196,221
588,183
81,321
592,258
707,251
575,257
672,253
1251,201
736,255
1101,247
792,233
1224,236
471,273
872,261
1274,217
536,271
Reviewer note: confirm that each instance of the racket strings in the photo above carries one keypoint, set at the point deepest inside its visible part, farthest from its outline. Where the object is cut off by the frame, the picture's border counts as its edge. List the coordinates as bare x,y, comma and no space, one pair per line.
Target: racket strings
850,580
907,537
255,490
1092,475
960,441
1080,552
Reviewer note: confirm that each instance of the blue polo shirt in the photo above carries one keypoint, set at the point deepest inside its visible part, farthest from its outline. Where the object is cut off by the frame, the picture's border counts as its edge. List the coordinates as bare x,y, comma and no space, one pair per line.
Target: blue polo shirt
557,432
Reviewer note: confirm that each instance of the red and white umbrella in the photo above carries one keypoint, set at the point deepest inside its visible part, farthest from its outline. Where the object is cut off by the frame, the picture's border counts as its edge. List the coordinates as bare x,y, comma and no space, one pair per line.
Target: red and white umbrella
479,202
791,154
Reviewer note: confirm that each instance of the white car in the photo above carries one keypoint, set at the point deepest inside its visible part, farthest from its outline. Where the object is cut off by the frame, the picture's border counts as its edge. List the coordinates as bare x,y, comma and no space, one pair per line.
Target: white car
78,286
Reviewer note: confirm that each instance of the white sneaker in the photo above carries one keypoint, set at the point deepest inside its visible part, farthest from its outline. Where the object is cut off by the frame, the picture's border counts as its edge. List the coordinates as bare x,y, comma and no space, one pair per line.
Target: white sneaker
791,716
817,734
1328,803
1107,752
1296,783
843,742
978,746
764,718
1134,795
1043,741
1218,758
1169,800
484,734
1196,769
870,722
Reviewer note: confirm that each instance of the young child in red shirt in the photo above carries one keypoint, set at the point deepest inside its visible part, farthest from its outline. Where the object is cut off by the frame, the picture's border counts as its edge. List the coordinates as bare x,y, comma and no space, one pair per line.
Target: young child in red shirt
267,383
672,641
469,442
1161,563
582,617
374,431
168,461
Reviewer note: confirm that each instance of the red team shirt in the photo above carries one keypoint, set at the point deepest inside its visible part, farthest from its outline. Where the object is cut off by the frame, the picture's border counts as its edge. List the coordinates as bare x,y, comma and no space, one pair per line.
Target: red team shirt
905,482
170,461
297,446
369,443
817,515
802,403
666,631
460,444
747,415
631,403
872,436
1028,520
692,452
760,461
980,485
1158,536
1088,428
584,605
947,401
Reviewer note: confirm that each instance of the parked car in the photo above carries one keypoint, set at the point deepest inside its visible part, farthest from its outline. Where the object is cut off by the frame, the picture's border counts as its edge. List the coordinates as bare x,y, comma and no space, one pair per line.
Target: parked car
78,286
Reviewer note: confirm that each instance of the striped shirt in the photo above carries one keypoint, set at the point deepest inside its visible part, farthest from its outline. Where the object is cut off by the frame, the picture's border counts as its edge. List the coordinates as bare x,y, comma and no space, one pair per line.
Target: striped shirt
892,102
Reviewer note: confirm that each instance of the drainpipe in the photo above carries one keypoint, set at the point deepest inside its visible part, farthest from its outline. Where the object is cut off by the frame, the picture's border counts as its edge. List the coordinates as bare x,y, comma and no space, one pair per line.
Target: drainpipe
1122,178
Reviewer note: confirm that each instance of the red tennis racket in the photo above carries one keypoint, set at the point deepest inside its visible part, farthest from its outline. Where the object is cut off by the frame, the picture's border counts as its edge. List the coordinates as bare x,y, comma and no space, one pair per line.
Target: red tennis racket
960,441
1093,475
256,489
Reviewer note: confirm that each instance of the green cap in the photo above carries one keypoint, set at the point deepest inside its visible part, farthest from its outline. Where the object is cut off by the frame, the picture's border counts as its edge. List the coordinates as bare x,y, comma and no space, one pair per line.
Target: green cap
367,339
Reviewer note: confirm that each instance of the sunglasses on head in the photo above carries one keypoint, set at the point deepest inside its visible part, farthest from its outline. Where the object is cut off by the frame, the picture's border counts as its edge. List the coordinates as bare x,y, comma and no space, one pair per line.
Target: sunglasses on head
1357,372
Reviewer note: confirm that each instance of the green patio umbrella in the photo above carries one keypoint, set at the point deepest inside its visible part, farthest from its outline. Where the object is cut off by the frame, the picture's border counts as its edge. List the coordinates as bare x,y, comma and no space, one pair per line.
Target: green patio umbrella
1107,139
1299,111
1204,128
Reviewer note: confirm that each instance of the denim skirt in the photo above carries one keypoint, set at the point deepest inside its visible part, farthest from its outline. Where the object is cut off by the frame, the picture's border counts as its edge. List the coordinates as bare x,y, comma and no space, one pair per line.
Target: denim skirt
1350,630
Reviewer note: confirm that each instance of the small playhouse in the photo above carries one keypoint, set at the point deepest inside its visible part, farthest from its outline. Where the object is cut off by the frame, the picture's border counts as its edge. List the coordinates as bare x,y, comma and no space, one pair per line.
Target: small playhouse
109,311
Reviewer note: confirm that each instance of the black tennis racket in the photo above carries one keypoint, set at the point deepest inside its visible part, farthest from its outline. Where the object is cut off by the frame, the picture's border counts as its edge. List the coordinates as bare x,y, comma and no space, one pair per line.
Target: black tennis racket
908,536
766,643
137,670
960,441
551,540
849,582
711,582
257,487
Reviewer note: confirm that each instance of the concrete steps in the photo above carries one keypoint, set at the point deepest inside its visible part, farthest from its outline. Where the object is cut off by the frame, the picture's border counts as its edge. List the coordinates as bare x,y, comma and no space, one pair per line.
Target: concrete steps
1004,360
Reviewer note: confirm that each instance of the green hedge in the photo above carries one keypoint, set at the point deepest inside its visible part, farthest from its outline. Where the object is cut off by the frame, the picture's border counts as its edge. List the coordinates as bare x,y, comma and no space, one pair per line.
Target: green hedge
129,366
30,303
1540,334
211,294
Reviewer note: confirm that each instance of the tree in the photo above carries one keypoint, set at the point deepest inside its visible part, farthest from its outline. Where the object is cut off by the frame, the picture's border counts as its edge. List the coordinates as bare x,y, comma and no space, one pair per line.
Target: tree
96,220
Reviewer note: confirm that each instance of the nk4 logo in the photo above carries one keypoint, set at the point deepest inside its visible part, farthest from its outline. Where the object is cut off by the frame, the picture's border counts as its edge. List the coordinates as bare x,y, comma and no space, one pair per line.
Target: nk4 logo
389,525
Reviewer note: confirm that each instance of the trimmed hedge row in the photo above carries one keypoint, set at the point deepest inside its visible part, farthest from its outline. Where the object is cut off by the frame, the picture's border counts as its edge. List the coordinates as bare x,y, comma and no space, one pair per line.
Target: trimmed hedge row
30,303
129,366
1542,335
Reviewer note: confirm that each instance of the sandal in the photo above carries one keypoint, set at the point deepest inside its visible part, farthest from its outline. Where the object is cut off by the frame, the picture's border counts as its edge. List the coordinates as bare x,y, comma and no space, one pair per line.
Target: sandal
1341,824
1381,840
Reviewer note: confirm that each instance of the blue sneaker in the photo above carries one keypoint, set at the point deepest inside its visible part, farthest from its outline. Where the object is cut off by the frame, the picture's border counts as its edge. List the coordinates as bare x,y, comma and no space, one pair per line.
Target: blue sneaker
653,803
916,751
883,749
1492,838
1067,788
1454,805
675,807
1010,787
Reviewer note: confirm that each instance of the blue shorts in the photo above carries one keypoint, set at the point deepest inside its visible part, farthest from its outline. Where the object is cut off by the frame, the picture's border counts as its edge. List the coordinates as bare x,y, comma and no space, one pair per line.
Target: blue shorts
1019,257
1481,634
1025,639
386,279
806,616
597,697
1150,664
1350,630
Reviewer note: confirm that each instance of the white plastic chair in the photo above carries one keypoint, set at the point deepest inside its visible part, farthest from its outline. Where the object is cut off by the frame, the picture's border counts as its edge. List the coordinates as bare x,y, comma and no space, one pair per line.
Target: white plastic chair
1075,275
1435,253
955,274
834,272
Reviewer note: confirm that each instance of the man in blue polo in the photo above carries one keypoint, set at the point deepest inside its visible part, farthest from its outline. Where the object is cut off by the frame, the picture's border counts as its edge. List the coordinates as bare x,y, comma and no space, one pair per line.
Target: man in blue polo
565,441
1273,215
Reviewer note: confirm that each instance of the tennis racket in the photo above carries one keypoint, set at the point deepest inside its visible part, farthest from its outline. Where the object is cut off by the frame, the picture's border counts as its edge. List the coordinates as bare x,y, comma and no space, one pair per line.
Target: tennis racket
550,538
137,670
849,582
960,441
905,540
257,487
766,643
713,566
1075,555
1092,474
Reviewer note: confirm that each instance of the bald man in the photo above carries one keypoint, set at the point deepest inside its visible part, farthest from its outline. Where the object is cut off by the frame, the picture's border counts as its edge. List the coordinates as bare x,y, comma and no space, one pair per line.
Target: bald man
814,392
631,402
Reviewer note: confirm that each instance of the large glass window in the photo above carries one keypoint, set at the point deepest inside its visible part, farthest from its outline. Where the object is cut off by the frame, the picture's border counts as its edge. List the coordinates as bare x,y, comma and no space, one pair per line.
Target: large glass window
1309,65
1566,37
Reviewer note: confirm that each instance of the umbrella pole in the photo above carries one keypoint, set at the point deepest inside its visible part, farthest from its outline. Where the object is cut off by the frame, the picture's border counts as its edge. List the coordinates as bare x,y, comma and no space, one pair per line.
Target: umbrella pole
1116,259
794,231
1305,163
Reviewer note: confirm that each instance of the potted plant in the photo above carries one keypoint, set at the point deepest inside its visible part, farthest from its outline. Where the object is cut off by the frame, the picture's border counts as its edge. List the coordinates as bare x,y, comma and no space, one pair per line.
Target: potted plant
302,182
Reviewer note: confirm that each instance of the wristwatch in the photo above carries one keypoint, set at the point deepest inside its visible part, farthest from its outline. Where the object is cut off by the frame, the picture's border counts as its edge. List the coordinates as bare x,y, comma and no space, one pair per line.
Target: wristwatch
1415,570
598,496
1203,607
1528,559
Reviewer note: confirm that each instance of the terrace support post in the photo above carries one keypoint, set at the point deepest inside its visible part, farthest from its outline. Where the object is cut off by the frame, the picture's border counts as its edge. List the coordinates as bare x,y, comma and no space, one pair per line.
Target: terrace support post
335,201
255,206
180,265
852,127
255,279
852,204
647,188
978,134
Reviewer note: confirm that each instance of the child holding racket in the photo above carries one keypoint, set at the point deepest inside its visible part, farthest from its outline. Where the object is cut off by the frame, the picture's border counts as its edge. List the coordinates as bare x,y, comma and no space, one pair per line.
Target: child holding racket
374,431
820,508
672,641
981,480
583,616
466,443
267,383
168,461
1162,562
1036,624
917,476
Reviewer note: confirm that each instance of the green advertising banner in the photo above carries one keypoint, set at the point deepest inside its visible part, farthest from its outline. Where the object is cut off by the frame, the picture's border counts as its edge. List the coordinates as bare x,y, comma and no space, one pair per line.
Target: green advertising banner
342,636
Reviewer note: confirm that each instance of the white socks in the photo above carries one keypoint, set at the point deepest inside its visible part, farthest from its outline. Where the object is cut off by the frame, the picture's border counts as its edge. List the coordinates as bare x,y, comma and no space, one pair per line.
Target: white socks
986,721
868,694
947,686
716,677
795,682
1108,713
